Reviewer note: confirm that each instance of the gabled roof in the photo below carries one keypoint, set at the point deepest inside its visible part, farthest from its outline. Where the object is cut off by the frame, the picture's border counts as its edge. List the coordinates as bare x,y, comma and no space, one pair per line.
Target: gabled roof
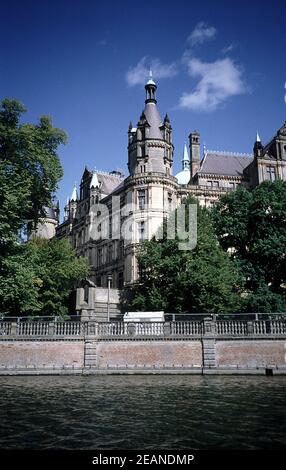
224,163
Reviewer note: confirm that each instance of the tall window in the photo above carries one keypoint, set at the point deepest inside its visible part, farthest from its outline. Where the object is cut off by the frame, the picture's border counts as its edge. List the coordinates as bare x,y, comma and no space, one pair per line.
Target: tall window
109,253
121,249
142,168
170,201
86,294
141,231
270,173
99,257
120,280
141,198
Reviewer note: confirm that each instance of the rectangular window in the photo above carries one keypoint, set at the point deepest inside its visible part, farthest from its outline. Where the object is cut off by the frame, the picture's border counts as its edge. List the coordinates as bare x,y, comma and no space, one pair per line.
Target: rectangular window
121,249
109,253
86,294
213,184
271,173
143,168
141,199
110,227
170,201
99,257
120,280
141,231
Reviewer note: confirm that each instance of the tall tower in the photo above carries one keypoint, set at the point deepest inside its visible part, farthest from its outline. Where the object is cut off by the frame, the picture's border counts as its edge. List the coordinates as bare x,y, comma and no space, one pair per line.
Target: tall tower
150,188
195,151
150,147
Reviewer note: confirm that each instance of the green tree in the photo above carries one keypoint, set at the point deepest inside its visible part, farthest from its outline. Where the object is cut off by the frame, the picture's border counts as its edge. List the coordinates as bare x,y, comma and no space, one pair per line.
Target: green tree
251,226
40,278
200,280
37,277
29,170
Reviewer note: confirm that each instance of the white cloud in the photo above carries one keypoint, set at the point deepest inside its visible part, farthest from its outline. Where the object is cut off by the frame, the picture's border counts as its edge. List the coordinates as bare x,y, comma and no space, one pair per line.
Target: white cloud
138,75
201,33
227,49
219,80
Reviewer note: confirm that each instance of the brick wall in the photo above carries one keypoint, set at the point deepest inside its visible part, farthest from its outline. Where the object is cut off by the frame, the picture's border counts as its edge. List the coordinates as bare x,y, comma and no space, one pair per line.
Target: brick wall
252,353
149,353
42,354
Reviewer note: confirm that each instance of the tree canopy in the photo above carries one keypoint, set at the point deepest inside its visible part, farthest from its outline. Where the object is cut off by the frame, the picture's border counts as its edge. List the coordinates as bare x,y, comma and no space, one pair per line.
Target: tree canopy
200,280
29,170
36,277
40,276
251,226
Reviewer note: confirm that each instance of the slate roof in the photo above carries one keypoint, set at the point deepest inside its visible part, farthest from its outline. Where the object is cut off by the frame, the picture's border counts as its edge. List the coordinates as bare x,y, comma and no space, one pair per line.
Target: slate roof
225,163
108,182
50,213
154,120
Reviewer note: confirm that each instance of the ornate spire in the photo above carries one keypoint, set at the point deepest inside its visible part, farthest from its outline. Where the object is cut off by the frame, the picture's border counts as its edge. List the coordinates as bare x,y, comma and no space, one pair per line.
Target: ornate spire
185,159
94,180
74,196
150,88
166,118
258,147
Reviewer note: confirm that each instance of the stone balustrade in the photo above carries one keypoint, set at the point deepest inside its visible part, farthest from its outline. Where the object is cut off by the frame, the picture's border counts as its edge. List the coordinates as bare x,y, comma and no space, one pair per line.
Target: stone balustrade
197,347
136,330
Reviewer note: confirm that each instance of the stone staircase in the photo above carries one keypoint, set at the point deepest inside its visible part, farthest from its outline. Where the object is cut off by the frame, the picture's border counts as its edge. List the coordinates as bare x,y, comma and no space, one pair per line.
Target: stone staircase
209,353
90,355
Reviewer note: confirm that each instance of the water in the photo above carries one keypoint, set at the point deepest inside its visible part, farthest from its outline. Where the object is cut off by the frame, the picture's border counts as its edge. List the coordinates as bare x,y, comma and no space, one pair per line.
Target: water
143,412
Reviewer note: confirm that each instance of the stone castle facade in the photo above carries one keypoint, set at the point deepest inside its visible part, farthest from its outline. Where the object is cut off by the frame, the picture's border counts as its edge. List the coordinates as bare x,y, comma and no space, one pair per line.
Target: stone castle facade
144,198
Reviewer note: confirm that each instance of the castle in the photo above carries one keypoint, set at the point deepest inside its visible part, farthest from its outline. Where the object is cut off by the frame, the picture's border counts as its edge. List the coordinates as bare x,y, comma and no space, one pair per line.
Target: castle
150,191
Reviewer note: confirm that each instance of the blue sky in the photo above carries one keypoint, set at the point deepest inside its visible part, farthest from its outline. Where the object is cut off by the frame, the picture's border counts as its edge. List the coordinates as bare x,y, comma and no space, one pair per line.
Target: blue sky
220,68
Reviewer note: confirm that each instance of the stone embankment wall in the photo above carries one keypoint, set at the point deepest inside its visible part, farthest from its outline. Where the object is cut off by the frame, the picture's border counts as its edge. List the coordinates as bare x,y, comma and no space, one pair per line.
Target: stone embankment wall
208,347
42,356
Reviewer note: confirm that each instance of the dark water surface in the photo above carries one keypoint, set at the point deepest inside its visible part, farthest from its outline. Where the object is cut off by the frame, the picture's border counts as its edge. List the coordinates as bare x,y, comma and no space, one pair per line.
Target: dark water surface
143,412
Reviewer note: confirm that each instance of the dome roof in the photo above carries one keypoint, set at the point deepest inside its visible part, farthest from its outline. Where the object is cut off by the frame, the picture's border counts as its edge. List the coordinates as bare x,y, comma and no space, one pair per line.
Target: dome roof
183,177
50,213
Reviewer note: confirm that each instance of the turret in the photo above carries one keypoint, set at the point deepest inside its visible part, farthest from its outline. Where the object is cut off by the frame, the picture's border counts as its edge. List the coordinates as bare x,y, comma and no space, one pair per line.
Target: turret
150,147
258,147
183,176
73,203
195,152
94,189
